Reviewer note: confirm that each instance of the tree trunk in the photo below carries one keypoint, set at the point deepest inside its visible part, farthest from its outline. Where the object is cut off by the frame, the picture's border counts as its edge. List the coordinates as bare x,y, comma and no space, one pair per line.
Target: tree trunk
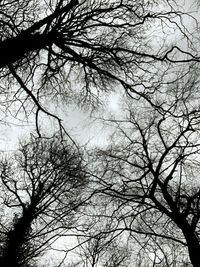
193,246
16,246
16,48
12,50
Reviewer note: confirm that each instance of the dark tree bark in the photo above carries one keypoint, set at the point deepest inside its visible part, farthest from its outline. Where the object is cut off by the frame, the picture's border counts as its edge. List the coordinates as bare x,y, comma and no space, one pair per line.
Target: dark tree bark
193,245
16,248
19,47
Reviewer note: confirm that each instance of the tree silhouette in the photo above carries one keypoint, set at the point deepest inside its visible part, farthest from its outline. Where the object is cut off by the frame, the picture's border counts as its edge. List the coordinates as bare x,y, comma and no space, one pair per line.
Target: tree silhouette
150,172
49,49
146,183
43,185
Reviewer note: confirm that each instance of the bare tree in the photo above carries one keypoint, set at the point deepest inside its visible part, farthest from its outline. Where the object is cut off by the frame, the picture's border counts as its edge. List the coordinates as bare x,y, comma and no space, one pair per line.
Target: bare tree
86,47
42,190
89,45
150,172
102,248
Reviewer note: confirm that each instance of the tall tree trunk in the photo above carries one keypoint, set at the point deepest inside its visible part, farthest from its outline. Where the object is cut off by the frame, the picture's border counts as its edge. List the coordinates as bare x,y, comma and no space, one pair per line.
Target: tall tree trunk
16,246
193,246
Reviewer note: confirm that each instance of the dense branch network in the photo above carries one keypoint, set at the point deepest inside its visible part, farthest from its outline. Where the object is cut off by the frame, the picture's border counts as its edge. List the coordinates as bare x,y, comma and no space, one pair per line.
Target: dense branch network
142,188
151,174
99,43
44,189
